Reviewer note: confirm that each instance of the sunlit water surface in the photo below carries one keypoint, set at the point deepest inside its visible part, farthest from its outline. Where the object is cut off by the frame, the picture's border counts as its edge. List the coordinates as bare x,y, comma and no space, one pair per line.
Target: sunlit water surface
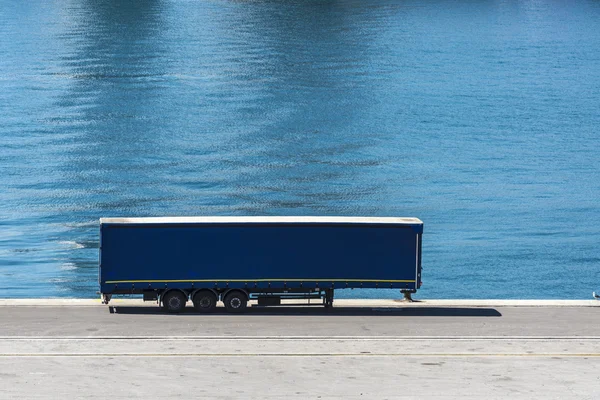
479,117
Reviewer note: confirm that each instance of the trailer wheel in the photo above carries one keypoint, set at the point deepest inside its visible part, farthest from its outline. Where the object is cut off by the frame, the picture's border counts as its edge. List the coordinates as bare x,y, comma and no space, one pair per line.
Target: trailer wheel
205,301
236,302
174,301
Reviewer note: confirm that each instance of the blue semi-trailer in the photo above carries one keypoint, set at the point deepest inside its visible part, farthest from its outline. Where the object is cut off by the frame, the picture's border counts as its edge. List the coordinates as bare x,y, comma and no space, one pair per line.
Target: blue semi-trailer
236,259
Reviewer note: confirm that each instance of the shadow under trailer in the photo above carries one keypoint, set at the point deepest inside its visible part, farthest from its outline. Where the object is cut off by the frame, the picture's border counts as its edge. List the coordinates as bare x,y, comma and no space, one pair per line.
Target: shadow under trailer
268,259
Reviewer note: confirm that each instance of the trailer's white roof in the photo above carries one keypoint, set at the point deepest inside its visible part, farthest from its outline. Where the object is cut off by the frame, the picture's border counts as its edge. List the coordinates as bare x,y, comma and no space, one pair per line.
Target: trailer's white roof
237,220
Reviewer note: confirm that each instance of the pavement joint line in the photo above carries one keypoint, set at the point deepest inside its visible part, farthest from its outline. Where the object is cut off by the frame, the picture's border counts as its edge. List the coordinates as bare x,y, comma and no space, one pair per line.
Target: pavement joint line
306,338
249,355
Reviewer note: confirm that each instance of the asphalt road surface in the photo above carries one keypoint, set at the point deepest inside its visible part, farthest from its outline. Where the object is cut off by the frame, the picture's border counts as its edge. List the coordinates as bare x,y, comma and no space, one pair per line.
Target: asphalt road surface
380,351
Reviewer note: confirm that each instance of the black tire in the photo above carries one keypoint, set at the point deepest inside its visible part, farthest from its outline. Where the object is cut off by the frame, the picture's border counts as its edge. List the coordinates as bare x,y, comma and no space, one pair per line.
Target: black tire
205,301
174,301
236,302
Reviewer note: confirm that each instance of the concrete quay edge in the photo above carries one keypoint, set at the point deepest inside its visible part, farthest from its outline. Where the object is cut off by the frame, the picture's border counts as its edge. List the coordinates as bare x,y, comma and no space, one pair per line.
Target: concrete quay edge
376,303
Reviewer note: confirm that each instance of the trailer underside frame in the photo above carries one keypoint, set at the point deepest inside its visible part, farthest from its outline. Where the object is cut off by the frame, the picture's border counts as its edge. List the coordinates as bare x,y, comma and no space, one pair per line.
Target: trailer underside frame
263,297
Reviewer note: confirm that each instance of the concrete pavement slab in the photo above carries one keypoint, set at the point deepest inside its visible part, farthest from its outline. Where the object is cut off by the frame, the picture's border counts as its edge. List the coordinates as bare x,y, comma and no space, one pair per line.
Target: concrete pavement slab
372,350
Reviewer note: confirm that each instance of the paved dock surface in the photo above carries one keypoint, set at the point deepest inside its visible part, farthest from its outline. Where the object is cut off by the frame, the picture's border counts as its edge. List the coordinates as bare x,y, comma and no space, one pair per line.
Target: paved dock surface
376,351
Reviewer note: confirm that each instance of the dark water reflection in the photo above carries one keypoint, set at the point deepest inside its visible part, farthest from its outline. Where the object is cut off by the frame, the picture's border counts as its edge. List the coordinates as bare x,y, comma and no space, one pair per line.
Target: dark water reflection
478,117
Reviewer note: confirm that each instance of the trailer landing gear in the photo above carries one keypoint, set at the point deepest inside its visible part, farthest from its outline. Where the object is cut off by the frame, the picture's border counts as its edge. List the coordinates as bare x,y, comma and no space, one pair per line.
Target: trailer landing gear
407,296
328,298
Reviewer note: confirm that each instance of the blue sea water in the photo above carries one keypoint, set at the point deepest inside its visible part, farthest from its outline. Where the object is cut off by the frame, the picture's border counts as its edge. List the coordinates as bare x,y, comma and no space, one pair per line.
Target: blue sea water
481,118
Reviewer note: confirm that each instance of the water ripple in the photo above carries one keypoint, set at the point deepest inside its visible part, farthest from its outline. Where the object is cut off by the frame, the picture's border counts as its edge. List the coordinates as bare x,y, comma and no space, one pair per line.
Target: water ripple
478,117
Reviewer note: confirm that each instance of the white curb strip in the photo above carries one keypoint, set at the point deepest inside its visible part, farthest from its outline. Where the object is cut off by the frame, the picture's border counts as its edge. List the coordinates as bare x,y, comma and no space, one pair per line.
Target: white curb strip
377,303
